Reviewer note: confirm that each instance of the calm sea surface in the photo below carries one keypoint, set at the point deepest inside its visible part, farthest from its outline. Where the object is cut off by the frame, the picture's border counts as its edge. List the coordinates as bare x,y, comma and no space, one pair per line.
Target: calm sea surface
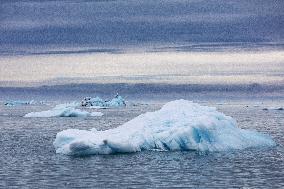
28,158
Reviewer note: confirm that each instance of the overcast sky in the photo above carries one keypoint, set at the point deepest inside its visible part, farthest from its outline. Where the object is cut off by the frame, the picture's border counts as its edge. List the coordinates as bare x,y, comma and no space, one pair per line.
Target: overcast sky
99,24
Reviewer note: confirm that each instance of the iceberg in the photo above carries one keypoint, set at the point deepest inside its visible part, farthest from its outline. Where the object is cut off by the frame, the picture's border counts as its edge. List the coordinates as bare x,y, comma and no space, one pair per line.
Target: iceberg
117,101
97,102
178,125
89,102
63,110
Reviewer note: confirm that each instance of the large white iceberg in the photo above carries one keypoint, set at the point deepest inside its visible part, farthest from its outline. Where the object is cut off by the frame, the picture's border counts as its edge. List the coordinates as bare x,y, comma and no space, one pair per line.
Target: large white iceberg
179,125
63,110
97,102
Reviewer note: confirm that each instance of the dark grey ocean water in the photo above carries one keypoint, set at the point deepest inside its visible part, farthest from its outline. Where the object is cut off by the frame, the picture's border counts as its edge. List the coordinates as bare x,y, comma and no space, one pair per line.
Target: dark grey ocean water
28,159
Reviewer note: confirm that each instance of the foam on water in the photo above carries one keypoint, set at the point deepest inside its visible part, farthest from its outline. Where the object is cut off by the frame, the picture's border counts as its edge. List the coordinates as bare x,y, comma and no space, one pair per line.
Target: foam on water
178,125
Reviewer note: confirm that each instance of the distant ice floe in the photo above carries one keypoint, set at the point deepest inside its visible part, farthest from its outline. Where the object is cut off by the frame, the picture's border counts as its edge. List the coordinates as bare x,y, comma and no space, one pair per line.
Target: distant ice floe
221,103
98,103
96,114
64,110
22,102
19,102
178,125
273,108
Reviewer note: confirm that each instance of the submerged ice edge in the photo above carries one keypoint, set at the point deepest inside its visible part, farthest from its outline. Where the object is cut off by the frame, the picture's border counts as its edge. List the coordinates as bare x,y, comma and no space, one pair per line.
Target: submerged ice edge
178,125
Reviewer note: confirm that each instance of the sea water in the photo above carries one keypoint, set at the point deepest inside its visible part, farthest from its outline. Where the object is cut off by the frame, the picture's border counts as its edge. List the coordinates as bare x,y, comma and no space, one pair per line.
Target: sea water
28,158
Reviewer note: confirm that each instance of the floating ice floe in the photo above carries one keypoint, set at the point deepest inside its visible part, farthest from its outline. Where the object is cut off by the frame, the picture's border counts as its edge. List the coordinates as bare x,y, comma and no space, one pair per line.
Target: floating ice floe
221,103
64,110
22,102
19,102
96,114
178,125
273,108
97,102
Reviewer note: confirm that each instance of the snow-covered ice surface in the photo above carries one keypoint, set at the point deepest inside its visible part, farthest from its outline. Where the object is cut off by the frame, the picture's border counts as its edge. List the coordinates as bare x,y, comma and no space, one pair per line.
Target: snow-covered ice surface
178,125
64,110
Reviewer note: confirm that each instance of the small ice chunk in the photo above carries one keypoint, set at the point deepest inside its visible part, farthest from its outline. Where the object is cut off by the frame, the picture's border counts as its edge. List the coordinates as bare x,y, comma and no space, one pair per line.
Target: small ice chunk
178,125
221,103
96,114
